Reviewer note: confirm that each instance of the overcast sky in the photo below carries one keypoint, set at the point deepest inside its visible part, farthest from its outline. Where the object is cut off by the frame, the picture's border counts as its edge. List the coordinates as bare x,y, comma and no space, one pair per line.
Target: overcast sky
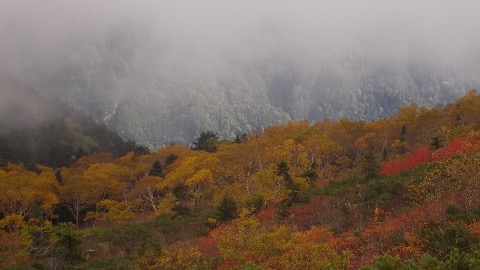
449,30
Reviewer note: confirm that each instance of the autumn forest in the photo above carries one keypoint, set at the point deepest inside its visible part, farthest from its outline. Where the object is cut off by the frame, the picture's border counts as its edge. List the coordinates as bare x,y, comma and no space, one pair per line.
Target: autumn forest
396,193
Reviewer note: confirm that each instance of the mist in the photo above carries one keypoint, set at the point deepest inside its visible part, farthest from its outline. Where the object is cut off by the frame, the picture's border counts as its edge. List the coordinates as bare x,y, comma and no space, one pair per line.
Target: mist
163,71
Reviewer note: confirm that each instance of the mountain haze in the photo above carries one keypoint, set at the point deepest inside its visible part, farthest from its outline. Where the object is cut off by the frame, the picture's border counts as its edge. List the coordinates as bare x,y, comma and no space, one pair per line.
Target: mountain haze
40,130
161,73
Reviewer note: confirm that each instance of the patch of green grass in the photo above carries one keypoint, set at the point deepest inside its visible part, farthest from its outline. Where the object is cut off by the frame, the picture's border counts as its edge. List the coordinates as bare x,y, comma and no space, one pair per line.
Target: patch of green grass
168,223
334,188
112,263
127,237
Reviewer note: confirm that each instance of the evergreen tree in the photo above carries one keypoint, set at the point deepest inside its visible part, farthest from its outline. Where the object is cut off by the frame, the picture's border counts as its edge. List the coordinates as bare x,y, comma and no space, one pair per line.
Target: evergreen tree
403,134
66,248
227,209
170,159
310,175
139,149
283,170
369,164
384,154
206,142
58,177
436,143
292,187
157,169
239,139
180,191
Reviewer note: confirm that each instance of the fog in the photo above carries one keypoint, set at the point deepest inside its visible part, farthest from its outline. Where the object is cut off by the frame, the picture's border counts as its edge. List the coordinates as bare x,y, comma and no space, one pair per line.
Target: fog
168,55
448,29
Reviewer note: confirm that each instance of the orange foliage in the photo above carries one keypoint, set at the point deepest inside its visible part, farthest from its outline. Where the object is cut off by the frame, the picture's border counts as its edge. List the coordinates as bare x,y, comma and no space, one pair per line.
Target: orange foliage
474,228
412,247
376,240
120,190
207,246
267,214
322,183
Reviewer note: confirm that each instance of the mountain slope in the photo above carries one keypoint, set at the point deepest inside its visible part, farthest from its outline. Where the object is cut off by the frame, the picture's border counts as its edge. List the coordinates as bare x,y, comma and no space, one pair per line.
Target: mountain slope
37,130
158,90
333,193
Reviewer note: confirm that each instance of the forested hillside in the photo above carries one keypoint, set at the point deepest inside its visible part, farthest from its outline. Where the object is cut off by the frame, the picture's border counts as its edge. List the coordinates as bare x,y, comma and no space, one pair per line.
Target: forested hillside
157,87
36,129
395,193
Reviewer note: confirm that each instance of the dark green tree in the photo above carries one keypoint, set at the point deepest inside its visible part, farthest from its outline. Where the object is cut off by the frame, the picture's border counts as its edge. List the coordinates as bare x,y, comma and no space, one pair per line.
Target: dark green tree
170,159
384,154
403,134
369,164
66,249
310,175
180,191
255,203
140,149
292,187
206,142
283,170
58,177
180,209
239,139
157,169
227,209
441,237
436,142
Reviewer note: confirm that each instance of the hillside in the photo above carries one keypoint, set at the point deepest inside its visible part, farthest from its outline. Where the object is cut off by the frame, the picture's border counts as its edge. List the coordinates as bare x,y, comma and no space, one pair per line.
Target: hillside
36,129
396,193
156,88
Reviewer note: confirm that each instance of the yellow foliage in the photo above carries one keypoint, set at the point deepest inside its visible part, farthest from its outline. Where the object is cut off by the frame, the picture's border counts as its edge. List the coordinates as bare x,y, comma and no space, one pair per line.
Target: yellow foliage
14,241
268,184
165,204
147,260
302,183
311,256
108,178
293,153
421,191
21,191
277,247
399,146
203,176
178,256
181,173
112,211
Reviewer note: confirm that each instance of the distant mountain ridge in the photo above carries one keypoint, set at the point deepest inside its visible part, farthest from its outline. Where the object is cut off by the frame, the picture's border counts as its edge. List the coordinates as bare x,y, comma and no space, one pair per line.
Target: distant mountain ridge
35,129
158,93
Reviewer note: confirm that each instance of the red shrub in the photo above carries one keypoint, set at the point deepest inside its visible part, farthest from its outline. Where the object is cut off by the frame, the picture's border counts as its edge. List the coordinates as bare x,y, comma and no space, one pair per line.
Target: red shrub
420,156
457,146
